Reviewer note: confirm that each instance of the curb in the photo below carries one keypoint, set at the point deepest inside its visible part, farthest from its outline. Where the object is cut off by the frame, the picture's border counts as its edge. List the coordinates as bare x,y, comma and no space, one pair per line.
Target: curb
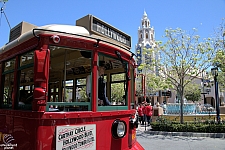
188,134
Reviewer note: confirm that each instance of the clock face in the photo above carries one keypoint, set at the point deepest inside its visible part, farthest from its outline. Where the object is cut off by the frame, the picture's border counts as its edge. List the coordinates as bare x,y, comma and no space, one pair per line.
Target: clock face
148,46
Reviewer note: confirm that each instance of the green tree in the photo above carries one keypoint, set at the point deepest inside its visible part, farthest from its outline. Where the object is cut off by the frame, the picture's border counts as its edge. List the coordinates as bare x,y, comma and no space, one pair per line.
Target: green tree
183,58
117,88
192,92
154,82
82,90
219,60
219,44
221,79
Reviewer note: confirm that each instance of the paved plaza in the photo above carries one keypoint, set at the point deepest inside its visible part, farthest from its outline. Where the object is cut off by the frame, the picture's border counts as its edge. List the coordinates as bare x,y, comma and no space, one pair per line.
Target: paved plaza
159,141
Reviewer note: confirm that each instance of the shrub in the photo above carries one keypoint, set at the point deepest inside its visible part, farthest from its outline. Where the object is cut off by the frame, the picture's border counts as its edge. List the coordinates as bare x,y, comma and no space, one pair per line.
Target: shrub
208,126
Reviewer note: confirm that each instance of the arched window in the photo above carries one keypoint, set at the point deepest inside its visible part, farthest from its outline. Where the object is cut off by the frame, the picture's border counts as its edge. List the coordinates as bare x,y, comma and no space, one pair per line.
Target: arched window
146,35
141,35
145,23
152,36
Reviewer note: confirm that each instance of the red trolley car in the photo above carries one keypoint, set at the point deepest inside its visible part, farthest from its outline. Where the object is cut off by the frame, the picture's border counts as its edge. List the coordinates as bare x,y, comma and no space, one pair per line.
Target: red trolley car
43,100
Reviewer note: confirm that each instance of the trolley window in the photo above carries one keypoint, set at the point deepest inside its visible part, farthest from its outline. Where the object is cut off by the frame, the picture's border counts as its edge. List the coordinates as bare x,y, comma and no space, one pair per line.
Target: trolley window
26,83
72,66
114,85
8,79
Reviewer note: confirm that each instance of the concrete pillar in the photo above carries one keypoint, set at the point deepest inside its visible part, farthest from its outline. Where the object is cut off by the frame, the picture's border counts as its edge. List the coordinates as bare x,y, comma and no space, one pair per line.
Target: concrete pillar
154,100
160,100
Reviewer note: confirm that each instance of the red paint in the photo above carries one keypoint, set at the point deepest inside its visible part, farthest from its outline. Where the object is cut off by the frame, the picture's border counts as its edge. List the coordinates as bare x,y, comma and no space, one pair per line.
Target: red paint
94,80
36,129
41,73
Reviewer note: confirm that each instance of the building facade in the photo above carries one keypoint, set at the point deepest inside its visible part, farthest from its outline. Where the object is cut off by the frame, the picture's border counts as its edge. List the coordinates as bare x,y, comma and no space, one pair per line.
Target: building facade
146,40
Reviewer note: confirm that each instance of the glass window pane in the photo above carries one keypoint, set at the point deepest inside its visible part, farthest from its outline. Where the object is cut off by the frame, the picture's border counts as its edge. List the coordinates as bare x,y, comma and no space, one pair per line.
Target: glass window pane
68,94
117,93
81,94
81,81
110,91
118,77
9,65
8,90
27,58
25,94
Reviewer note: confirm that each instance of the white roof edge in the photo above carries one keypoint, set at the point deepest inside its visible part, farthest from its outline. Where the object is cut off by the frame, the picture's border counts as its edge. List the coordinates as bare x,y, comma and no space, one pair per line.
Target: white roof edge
71,29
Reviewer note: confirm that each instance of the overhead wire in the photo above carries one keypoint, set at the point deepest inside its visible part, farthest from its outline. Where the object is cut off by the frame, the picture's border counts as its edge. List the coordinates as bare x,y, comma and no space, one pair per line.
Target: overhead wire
1,18
2,12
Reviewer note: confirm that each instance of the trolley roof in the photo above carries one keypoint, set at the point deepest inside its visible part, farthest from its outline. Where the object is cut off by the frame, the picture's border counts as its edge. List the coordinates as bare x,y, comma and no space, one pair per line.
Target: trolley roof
87,27
67,30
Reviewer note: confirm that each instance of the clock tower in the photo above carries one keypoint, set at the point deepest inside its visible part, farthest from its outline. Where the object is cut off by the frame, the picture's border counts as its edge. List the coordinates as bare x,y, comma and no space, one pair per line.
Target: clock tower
146,40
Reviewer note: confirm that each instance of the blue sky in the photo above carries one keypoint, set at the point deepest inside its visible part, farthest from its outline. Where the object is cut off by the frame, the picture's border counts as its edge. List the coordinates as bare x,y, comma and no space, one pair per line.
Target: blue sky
205,15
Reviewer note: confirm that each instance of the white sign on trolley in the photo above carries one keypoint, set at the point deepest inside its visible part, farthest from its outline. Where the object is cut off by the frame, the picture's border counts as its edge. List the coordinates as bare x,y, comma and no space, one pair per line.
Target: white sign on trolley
76,137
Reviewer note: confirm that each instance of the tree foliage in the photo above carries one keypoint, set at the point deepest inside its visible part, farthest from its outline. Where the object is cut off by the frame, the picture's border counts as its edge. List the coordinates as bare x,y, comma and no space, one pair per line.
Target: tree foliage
117,89
219,60
221,80
183,58
219,44
192,92
154,82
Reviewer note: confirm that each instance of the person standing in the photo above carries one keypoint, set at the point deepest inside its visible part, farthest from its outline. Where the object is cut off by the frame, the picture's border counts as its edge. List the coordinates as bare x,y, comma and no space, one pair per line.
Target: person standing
148,113
144,111
102,99
140,114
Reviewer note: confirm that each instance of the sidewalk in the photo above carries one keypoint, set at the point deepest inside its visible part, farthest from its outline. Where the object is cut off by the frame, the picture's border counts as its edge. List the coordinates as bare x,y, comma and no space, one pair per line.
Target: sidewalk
147,129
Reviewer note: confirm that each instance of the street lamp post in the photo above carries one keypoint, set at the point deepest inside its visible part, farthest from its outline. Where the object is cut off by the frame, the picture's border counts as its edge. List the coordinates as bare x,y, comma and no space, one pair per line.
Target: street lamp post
215,74
203,89
143,86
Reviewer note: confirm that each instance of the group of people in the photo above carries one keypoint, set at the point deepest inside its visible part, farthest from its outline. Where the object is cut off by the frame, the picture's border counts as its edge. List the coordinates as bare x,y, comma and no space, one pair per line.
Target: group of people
145,111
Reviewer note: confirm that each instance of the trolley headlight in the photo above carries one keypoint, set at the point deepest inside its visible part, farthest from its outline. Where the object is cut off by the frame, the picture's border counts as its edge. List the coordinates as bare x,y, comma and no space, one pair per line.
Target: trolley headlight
119,129
55,38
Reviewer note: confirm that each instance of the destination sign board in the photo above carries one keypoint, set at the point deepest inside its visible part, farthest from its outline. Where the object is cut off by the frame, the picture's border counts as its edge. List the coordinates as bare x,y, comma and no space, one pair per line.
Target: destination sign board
76,137
99,27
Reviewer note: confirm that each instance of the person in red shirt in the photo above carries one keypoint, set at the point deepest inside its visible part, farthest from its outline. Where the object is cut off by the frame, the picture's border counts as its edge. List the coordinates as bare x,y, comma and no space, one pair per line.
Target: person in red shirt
148,113
140,114
144,111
